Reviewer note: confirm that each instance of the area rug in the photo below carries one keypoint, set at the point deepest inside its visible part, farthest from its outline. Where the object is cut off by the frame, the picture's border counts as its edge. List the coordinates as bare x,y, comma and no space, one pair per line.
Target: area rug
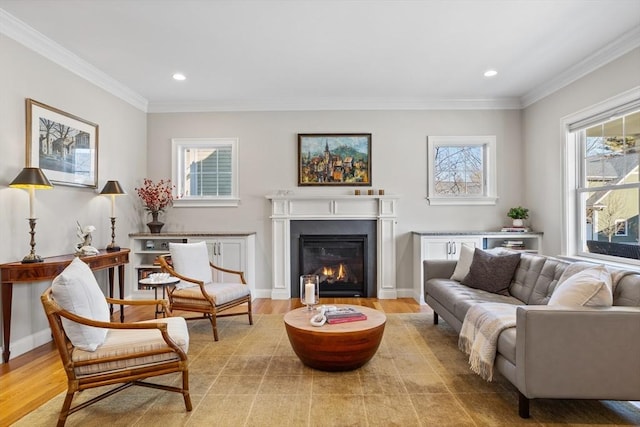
251,377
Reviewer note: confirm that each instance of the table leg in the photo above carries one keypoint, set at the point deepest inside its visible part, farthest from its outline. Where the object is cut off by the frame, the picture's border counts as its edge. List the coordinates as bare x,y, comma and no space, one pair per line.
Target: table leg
110,270
7,295
121,289
155,296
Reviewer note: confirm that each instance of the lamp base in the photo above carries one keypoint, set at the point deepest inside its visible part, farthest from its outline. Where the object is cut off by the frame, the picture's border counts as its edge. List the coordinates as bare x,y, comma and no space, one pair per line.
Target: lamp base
112,247
31,258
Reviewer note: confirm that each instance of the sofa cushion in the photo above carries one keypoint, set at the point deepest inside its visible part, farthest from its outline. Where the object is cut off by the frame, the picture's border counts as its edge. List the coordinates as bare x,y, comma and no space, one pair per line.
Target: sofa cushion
590,287
491,273
76,290
464,263
525,276
546,282
458,298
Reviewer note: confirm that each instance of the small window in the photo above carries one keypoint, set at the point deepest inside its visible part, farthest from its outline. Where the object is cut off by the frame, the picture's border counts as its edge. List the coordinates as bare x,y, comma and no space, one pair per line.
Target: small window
462,170
205,171
621,227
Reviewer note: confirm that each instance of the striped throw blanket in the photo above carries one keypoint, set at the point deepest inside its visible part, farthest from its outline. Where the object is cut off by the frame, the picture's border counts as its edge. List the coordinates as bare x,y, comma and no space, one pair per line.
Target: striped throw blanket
481,328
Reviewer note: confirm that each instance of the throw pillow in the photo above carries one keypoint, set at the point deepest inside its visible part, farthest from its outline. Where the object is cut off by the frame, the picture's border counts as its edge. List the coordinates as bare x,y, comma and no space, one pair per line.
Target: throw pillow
77,291
491,273
464,262
590,287
191,260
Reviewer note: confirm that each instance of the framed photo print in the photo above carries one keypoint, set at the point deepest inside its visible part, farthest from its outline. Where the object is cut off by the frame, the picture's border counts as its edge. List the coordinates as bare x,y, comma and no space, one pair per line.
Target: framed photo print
334,159
64,146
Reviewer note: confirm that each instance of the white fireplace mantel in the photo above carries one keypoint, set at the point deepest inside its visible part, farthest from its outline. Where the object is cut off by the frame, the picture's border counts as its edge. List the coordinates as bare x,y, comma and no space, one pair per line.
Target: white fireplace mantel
382,208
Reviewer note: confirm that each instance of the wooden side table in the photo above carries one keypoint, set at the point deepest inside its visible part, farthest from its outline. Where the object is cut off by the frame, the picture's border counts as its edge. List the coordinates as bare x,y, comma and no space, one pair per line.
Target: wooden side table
159,283
337,347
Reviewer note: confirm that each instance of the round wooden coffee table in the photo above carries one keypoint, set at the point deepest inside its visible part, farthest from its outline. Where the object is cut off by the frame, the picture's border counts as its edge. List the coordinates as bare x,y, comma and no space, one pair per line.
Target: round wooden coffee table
337,347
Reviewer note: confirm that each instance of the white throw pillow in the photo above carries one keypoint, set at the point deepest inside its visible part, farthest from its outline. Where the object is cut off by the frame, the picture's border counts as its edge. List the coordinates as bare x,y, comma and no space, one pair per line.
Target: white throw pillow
590,287
464,262
77,291
191,260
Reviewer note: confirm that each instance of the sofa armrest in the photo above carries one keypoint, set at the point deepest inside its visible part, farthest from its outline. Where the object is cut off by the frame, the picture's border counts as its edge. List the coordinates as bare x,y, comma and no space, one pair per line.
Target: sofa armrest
579,353
438,268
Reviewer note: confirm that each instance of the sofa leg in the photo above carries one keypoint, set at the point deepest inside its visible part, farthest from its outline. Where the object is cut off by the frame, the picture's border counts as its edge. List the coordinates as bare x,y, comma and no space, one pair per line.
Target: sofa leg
523,405
435,318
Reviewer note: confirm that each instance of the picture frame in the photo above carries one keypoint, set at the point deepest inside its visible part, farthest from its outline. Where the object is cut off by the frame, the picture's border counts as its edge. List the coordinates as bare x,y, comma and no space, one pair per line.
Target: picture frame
64,146
334,159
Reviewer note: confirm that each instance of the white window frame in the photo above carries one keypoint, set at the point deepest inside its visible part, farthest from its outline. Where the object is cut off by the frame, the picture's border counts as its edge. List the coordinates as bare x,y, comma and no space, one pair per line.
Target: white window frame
625,227
178,145
572,230
489,174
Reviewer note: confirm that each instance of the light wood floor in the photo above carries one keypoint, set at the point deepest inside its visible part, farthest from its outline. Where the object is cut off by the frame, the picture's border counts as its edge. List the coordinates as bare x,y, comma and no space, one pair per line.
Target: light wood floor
32,379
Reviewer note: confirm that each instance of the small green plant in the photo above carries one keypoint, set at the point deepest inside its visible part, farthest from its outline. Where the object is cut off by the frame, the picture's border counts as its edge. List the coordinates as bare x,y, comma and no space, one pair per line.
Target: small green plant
518,213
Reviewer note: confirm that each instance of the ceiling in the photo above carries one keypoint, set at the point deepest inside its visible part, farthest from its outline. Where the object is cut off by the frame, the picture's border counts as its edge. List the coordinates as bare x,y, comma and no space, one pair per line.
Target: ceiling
331,54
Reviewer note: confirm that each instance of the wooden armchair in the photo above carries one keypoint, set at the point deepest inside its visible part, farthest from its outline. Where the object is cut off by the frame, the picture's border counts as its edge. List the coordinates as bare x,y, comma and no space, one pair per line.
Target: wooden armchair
197,292
157,347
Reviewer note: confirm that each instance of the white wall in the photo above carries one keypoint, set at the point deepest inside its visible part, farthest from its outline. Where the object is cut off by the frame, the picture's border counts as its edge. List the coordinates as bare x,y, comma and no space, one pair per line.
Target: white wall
268,158
121,156
543,139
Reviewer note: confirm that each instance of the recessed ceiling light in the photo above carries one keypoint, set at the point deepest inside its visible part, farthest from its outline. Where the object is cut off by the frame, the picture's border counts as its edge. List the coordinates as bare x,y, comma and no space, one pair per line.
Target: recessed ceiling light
179,77
490,73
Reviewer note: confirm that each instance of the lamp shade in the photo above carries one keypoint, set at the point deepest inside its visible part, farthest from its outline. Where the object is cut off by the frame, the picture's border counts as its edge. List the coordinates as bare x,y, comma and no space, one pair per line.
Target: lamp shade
31,178
112,187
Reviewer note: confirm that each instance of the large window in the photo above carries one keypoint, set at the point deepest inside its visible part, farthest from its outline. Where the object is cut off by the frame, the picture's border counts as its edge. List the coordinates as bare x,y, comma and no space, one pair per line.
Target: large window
205,171
461,170
604,152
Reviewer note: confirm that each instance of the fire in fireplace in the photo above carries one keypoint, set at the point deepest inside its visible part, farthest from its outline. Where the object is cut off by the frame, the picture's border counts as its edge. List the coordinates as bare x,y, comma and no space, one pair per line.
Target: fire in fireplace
338,260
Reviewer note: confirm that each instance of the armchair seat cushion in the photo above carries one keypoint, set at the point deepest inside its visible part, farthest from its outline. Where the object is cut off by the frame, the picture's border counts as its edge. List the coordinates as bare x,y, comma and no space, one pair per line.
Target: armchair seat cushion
220,292
120,342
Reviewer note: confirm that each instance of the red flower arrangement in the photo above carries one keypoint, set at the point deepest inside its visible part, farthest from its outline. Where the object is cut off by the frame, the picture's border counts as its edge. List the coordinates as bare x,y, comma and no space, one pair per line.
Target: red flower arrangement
156,197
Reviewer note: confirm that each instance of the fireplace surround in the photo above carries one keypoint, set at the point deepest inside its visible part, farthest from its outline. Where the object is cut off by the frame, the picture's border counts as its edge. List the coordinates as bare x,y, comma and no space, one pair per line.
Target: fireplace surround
379,209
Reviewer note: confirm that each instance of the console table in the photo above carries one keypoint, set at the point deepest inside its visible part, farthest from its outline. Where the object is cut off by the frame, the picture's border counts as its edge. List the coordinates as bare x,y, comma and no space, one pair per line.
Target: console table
17,272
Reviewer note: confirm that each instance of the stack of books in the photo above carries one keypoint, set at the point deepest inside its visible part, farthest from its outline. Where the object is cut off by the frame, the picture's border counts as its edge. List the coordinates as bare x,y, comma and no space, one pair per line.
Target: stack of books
513,244
516,229
344,314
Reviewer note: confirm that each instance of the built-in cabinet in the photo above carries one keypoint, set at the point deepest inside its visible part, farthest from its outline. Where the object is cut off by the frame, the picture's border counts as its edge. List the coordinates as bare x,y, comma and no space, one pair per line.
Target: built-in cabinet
235,251
447,246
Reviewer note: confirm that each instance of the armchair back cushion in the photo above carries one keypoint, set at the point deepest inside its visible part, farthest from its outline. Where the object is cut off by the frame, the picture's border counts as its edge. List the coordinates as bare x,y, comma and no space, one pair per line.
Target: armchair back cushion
191,260
76,290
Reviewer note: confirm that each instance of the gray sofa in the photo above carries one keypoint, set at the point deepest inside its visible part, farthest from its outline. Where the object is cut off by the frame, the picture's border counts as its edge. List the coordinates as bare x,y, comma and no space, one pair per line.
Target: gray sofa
553,352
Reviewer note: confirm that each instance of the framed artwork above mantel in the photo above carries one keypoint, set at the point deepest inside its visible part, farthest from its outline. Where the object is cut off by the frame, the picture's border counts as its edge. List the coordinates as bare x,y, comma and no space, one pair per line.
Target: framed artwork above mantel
334,159
64,146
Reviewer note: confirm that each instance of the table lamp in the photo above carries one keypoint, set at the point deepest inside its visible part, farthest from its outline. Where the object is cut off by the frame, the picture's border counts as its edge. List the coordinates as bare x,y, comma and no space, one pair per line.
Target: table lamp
31,179
113,189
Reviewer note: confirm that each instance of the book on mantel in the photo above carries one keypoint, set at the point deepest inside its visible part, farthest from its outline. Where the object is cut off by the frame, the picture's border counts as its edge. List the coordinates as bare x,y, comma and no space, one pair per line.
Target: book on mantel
516,229
345,314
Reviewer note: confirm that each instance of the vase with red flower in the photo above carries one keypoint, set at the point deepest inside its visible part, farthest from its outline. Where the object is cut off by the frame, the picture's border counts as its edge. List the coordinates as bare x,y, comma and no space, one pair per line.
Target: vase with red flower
156,197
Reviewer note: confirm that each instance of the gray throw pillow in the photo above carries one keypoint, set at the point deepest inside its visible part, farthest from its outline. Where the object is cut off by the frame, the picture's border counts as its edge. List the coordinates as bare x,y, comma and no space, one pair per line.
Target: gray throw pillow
491,273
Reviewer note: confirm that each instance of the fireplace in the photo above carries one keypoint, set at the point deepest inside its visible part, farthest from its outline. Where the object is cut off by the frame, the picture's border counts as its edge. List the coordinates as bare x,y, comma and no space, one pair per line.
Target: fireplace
339,261
341,253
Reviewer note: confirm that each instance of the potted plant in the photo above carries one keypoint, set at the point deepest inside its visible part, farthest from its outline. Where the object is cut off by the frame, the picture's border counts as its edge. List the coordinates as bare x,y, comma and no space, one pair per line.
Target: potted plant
518,214
156,197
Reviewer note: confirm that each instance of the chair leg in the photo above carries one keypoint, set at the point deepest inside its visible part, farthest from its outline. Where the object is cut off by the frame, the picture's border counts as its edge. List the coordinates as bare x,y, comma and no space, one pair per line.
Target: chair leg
185,390
523,405
435,318
64,412
214,325
250,312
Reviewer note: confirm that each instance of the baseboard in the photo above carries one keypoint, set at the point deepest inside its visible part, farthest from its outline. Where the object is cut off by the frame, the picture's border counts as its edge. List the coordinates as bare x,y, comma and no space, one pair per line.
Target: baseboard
28,343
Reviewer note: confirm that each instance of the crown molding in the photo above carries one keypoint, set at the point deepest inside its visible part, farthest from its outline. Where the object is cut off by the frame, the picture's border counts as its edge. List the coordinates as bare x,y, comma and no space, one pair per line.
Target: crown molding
608,53
36,41
336,104
44,46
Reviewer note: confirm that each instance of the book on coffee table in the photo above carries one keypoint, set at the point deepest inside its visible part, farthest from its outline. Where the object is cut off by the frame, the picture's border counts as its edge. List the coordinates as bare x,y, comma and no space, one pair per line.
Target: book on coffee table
335,320
344,314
